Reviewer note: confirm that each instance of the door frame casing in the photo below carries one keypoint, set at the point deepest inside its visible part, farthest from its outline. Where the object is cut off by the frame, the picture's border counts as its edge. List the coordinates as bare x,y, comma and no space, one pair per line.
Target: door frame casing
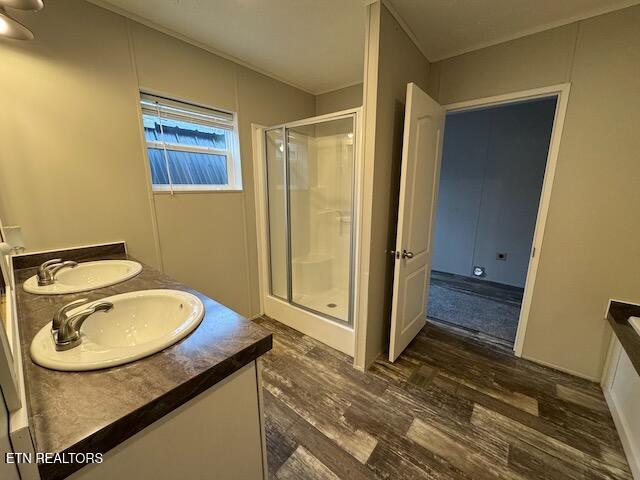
340,337
561,91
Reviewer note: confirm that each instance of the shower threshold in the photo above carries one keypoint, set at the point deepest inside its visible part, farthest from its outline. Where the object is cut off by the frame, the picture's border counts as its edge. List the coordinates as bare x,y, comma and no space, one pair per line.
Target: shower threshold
332,303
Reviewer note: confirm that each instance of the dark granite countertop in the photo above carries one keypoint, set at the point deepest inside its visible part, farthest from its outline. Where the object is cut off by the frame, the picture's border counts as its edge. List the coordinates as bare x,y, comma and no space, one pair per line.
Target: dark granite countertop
97,410
618,316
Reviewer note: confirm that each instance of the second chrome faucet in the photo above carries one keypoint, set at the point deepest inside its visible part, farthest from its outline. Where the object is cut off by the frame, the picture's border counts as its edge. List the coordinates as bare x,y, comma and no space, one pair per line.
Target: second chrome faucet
48,270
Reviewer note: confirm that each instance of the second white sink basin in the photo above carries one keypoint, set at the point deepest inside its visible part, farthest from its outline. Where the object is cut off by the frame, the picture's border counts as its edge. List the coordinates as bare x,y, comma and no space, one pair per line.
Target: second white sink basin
635,323
140,324
86,276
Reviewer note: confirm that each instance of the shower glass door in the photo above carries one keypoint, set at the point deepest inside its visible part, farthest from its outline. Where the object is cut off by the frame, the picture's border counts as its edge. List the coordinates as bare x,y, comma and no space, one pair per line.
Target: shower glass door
310,193
276,181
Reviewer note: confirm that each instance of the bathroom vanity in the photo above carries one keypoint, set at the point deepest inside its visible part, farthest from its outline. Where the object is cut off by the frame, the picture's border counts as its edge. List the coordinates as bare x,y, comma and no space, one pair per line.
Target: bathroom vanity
192,410
621,378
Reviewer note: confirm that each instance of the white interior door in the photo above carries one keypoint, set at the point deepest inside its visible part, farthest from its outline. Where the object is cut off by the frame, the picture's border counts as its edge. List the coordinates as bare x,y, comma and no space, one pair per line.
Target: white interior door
421,152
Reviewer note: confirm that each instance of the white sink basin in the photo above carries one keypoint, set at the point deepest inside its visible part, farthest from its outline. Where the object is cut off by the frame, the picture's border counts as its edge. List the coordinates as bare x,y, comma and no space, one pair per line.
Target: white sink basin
635,323
86,276
140,324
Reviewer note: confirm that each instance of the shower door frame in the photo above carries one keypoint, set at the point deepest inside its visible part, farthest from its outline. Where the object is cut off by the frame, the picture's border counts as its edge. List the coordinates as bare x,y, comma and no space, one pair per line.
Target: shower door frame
329,330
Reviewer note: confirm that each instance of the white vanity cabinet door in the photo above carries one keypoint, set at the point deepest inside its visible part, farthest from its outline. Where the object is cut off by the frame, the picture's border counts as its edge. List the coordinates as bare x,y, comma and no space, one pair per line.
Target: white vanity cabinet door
621,386
217,434
8,471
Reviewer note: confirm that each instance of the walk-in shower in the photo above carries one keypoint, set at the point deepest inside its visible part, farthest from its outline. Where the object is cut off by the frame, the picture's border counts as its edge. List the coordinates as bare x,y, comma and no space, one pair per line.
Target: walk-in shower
309,193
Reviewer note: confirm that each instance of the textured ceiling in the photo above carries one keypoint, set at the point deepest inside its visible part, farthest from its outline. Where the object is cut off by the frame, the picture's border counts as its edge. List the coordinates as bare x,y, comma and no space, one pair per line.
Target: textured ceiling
317,45
444,28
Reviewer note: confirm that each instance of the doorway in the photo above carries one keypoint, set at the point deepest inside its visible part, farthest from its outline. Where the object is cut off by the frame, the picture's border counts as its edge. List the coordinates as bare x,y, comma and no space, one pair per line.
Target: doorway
423,142
491,178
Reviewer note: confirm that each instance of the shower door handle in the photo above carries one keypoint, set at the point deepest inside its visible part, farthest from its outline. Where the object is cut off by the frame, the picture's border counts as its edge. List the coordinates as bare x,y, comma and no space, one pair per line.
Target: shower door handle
406,254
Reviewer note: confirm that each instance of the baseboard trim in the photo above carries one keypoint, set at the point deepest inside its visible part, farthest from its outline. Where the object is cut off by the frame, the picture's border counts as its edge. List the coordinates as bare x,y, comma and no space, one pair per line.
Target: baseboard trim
561,369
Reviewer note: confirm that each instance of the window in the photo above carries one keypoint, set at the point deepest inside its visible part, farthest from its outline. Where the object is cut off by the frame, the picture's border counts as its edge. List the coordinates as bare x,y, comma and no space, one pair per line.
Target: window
190,147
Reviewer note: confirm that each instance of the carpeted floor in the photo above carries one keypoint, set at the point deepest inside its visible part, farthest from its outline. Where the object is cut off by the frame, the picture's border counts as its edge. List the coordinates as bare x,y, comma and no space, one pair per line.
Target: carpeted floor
475,305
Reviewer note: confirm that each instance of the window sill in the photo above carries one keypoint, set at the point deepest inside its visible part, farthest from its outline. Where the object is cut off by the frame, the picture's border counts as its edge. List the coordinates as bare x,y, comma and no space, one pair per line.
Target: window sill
177,191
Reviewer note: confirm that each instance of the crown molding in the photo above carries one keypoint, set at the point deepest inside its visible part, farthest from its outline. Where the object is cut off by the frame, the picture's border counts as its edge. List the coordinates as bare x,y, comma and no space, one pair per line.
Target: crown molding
405,27
507,38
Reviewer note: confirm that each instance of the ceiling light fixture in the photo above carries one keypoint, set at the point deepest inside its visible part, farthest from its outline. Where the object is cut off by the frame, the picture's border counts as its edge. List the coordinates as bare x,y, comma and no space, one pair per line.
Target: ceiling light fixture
12,28
32,5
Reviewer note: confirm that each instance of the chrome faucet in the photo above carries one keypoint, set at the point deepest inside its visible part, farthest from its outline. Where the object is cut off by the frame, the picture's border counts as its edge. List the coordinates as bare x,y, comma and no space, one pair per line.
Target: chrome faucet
62,313
48,270
67,335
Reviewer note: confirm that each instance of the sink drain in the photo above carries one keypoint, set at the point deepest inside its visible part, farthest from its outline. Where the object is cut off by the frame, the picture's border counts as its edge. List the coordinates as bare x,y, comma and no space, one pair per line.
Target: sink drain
332,305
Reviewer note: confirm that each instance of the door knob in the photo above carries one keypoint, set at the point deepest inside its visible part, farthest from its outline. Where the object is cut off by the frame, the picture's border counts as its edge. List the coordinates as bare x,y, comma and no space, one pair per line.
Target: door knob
406,254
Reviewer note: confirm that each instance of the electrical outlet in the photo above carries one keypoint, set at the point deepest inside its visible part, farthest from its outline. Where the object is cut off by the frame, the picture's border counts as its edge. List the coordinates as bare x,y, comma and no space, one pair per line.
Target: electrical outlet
501,256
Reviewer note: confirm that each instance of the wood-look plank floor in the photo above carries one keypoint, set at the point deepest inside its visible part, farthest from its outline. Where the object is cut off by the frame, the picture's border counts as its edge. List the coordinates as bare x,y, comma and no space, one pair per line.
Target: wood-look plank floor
449,408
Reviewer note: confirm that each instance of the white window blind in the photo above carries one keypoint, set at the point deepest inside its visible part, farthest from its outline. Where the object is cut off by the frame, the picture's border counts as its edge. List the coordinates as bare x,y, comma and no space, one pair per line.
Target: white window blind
190,147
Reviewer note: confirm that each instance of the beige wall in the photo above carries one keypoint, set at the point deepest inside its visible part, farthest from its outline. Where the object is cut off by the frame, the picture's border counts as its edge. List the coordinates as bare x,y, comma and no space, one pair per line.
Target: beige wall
528,62
71,169
342,99
392,62
72,163
209,239
591,250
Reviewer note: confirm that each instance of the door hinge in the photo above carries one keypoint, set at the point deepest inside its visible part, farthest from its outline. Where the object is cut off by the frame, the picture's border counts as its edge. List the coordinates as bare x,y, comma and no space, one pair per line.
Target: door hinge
533,252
